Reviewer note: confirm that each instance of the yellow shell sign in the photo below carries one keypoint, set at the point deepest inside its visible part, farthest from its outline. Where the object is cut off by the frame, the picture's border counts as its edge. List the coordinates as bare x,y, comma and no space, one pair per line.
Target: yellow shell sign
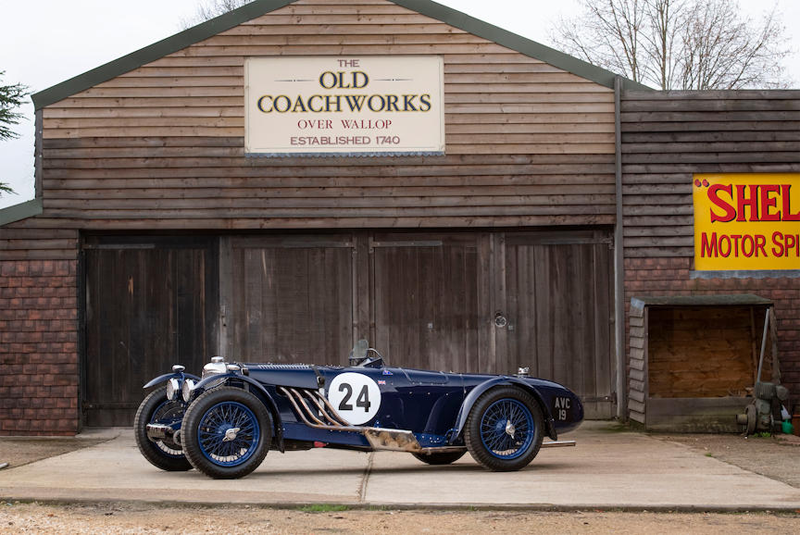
746,222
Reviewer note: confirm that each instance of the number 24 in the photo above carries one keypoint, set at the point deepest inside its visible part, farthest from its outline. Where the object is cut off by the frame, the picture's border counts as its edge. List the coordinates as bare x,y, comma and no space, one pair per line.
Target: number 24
361,401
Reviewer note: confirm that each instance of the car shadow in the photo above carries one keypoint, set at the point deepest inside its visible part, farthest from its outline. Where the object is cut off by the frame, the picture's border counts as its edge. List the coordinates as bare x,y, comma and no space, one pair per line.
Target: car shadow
265,470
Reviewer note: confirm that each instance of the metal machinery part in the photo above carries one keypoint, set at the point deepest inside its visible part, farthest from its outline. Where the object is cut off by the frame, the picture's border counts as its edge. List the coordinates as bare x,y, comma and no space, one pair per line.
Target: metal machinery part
760,414
751,417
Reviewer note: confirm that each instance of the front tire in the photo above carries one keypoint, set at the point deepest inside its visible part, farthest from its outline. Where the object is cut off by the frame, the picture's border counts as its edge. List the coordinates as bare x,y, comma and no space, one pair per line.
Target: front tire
227,432
504,430
163,454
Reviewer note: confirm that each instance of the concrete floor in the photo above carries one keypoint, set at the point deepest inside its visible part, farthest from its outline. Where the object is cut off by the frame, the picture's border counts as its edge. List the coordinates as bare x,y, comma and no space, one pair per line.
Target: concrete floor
606,470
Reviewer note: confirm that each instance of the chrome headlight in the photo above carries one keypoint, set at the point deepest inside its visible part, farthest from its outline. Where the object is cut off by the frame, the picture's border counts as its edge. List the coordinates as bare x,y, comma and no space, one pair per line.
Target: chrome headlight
172,389
217,366
186,390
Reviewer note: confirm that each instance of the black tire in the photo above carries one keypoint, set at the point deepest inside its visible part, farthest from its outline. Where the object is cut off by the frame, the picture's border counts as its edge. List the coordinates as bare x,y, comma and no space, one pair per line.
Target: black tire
505,428
440,458
163,454
227,432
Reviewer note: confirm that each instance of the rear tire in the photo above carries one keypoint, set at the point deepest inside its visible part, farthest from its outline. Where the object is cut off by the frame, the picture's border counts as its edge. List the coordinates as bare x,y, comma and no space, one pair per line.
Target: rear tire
440,458
227,433
504,430
163,454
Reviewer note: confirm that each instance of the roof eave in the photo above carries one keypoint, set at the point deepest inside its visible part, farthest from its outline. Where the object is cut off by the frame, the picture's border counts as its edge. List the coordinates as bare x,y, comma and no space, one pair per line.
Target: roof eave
20,211
258,8
155,51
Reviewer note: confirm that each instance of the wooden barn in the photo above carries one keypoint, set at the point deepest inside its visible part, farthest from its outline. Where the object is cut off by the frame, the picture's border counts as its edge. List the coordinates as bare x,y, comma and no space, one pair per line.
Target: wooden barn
292,176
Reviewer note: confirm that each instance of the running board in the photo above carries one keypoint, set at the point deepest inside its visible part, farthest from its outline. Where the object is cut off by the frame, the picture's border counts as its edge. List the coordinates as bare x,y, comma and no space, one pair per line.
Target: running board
558,444
401,440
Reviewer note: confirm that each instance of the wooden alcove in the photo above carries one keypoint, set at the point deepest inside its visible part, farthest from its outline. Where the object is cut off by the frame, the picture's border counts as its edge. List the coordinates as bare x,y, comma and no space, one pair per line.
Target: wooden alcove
694,360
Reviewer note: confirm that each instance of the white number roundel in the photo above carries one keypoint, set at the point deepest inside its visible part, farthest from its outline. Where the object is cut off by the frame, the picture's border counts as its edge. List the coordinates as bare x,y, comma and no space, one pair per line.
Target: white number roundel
355,397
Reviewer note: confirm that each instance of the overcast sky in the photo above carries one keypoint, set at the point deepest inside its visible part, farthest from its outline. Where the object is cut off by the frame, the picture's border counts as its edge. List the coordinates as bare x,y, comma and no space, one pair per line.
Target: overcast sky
44,42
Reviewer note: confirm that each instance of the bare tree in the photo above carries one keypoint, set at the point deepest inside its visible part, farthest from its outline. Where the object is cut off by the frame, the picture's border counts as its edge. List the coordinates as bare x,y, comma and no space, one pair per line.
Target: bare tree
678,44
208,9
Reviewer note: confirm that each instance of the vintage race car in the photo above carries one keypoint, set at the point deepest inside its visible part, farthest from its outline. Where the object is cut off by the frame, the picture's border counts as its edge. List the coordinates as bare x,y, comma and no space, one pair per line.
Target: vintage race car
226,421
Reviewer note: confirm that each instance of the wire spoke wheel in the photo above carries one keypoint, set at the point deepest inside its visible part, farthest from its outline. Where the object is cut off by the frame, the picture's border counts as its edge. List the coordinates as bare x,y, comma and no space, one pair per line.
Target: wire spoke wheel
504,430
507,428
227,433
157,409
169,413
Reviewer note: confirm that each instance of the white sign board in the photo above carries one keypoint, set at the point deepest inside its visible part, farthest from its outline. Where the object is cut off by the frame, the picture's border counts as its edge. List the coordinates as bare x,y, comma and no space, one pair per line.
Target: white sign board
344,105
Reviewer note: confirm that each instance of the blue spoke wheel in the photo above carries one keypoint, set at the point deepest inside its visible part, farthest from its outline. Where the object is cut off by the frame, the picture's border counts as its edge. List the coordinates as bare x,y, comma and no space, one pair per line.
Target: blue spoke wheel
227,433
504,430
157,409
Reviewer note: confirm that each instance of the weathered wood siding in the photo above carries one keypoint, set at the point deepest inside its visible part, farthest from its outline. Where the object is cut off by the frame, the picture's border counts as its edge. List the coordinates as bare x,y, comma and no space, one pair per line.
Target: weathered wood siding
150,303
161,147
637,373
666,138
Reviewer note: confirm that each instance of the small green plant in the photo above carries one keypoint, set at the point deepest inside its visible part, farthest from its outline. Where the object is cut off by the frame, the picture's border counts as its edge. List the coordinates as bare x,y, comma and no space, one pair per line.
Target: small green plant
709,454
762,434
323,508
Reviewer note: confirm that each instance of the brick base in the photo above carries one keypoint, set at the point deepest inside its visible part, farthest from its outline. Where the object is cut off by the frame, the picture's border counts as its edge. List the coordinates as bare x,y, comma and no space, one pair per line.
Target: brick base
39,347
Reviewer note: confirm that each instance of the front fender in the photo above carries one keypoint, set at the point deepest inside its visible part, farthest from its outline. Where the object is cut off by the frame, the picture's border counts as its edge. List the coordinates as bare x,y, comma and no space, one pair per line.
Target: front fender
261,393
476,392
167,376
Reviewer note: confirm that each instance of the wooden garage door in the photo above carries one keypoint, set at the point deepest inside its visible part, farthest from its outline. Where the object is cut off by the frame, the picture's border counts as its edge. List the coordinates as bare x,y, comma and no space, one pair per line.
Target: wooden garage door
559,312
290,300
150,303
427,300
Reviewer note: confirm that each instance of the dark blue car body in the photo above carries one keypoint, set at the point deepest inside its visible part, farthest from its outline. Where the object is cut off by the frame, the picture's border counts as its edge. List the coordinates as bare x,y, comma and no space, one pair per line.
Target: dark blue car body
427,403
238,409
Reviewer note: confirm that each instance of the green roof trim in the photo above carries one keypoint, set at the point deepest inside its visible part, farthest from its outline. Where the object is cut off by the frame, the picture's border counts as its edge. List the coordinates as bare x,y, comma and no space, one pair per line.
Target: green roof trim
258,8
156,51
20,211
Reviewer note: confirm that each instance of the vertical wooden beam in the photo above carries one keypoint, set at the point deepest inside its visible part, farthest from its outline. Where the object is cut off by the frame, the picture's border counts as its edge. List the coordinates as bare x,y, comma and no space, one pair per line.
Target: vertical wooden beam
619,261
226,304
486,343
498,267
37,154
363,325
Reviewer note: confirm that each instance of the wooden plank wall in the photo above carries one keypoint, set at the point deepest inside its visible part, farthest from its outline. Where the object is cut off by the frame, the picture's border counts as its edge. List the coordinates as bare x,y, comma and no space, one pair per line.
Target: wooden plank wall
637,375
161,147
669,136
666,138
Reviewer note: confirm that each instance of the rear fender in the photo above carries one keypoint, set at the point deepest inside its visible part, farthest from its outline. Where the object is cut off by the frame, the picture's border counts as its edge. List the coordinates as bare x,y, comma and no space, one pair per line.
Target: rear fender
259,391
476,392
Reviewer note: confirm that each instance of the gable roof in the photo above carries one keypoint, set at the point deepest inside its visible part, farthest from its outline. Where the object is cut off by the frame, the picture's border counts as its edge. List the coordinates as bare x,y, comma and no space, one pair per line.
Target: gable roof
258,8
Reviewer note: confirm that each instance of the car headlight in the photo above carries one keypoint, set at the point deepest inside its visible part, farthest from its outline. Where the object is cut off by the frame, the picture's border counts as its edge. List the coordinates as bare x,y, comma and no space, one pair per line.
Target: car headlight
186,390
217,366
172,389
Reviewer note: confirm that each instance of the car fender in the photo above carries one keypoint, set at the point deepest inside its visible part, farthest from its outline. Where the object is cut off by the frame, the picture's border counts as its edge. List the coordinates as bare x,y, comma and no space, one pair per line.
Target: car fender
167,376
476,392
260,392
